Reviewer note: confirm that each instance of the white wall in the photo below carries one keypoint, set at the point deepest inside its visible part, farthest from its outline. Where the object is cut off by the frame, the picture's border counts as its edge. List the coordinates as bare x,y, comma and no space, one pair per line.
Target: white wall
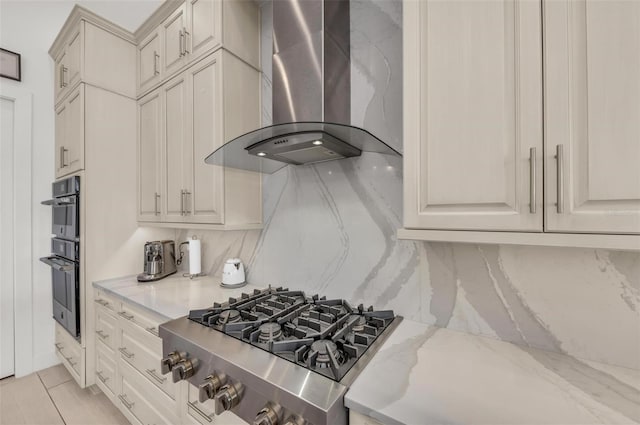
29,28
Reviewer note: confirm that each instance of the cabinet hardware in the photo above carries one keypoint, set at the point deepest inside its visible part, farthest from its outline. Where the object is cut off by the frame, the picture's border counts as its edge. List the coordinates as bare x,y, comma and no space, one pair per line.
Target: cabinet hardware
156,56
186,202
100,377
153,331
192,404
102,335
184,31
181,40
560,178
125,315
71,362
532,180
62,152
102,302
64,74
123,399
125,353
152,373
61,76
59,346
157,212
182,202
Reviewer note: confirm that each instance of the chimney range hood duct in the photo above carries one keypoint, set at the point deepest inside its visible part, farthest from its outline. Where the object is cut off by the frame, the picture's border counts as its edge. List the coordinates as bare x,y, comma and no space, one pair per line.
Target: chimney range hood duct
311,94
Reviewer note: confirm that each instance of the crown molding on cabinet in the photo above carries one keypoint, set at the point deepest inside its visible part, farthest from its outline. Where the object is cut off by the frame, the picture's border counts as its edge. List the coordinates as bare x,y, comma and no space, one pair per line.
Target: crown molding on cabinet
80,13
156,18
569,240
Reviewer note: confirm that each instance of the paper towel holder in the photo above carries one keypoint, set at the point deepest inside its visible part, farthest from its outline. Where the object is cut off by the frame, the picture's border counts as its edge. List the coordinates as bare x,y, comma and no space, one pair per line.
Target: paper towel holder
191,258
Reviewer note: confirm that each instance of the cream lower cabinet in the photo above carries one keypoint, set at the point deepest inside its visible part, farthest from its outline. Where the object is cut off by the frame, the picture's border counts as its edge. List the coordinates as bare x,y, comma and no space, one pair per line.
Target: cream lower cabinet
211,102
127,357
70,353
474,117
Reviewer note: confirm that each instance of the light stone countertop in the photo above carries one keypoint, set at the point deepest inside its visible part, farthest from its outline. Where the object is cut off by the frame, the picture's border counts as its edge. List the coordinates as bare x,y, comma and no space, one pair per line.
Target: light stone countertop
428,375
173,296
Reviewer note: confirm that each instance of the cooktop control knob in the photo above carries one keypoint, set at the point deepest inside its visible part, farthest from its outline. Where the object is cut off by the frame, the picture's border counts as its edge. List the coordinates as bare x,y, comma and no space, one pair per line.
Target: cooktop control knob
184,369
212,383
228,397
171,360
269,415
294,420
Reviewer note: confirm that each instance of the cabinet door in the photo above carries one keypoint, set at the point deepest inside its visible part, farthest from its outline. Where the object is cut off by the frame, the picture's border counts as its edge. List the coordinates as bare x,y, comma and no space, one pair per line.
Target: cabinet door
206,202
473,113
204,25
60,153
592,112
149,150
149,61
74,136
173,29
176,149
74,57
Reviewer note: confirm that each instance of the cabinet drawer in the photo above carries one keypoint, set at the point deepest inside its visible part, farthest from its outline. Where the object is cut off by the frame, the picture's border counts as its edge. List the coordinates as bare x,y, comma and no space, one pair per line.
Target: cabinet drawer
144,352
69,351
106,301
105,370
204,413
143,401
141,319
106,328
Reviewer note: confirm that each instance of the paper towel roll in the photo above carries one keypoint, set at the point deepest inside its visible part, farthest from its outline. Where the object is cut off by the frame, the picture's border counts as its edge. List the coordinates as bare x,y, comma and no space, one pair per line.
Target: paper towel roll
195,265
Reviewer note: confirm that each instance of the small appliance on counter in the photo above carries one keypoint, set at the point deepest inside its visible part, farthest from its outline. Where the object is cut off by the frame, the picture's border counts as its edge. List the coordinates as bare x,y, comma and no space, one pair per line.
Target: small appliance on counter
159,260
233,274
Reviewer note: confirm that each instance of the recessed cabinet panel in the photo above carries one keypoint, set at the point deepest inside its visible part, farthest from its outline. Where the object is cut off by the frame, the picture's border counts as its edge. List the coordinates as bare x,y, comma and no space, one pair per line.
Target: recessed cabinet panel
149,61
478,110
207,136
173,30
175,148
204,24
75,129
73,64
61,114
149,139
593,116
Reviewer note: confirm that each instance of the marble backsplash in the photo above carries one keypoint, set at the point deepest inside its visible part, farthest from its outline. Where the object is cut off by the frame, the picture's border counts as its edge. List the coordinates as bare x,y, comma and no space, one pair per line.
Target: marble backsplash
331,228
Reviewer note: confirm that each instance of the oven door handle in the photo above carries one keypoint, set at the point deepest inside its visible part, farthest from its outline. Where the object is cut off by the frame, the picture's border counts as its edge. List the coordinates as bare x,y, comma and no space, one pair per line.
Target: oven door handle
70,200
54,262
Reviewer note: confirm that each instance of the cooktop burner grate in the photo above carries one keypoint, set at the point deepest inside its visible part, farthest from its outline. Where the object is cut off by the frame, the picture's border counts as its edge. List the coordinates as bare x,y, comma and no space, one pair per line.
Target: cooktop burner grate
326,336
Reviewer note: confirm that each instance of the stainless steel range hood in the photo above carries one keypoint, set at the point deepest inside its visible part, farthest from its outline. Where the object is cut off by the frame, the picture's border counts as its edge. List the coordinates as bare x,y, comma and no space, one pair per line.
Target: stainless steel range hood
311,94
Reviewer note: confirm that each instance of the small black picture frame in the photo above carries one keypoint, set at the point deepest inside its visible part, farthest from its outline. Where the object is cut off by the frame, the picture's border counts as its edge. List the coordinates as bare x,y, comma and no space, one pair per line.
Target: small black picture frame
10,65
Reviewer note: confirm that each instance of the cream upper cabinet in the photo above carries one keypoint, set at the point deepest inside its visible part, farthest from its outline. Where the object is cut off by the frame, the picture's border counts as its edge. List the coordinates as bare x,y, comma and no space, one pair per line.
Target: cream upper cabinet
592,116
149,61
173,31
93,52
473,115
206,204
203,22
149,156
177,152
70,123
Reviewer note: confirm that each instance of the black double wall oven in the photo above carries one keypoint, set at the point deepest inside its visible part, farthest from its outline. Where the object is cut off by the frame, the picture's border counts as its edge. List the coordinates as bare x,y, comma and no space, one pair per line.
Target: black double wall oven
65,253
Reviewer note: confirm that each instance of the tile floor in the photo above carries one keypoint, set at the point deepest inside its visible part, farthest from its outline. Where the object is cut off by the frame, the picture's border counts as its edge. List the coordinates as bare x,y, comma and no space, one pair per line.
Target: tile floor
51,396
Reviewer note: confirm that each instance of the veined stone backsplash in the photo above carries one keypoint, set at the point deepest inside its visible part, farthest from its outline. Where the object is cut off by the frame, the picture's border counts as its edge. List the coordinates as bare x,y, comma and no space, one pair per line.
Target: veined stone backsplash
331,228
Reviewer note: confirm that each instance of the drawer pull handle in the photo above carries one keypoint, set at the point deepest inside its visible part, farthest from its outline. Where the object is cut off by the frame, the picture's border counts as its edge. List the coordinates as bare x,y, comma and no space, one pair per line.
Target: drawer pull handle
71,362
101,378
102,302
125,353
192,404
123,399
102,335
560,178
153,330
152,373
59,346
125,315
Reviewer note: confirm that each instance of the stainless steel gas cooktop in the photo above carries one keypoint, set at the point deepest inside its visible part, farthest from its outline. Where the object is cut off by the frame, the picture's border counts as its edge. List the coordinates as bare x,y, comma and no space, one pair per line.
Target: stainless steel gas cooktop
275,356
